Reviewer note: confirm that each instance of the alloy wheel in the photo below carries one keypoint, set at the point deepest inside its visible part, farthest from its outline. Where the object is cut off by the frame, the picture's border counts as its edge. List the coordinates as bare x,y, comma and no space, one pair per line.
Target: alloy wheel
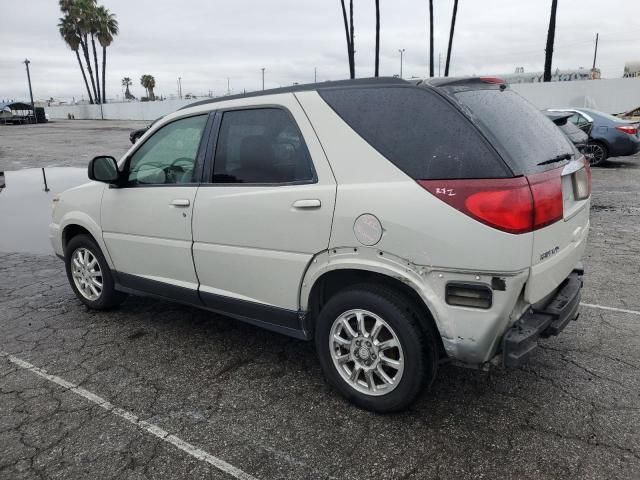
366,352
86,273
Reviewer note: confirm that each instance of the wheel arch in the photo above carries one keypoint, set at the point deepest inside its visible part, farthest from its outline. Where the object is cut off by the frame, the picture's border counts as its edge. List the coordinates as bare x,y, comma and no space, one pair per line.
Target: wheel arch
81,223
321,283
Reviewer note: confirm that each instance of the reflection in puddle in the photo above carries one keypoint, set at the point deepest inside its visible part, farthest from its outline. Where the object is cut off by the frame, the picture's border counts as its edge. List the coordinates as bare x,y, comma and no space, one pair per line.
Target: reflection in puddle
25,205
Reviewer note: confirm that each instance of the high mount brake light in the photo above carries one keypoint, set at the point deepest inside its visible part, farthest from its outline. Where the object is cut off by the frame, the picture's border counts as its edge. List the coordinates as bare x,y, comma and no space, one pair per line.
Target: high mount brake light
494,80
513,205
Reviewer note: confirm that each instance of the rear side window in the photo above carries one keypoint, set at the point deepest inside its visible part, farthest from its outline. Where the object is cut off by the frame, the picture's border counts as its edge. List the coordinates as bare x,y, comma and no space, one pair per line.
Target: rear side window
518,129
418,131
261,146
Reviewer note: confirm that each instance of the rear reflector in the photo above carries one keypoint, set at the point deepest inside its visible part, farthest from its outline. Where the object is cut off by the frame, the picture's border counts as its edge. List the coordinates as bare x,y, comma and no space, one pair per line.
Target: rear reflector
464,294
631,130
513,205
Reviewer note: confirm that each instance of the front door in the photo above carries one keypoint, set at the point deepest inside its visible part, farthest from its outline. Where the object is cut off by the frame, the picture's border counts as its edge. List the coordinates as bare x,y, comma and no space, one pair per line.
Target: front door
266,211
147,221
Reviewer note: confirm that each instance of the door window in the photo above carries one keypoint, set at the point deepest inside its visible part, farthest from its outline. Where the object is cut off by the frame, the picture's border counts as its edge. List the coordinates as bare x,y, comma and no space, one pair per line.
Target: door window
169,155
261,146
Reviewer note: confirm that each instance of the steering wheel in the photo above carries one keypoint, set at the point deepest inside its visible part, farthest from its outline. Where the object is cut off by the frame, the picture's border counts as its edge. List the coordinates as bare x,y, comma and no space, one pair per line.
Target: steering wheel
175,168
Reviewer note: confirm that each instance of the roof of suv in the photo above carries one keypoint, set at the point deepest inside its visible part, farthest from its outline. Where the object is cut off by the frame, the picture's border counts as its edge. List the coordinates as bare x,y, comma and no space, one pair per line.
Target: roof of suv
379,81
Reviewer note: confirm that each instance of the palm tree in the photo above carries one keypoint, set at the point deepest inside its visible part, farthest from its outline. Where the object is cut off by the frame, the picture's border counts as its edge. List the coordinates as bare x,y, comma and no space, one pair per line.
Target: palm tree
126,82
92,21
349,35
107,29
551,34
69,33
149,83
453,26
80,11
431,38
377,37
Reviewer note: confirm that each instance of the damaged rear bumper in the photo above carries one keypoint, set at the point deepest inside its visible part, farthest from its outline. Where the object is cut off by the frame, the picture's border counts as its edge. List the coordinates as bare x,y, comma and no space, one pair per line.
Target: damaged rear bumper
521,339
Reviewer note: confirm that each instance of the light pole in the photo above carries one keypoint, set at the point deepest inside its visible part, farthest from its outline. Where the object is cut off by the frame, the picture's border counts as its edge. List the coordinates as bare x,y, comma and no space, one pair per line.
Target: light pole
262,78
33,107
401,50
228,86
315,74
180,88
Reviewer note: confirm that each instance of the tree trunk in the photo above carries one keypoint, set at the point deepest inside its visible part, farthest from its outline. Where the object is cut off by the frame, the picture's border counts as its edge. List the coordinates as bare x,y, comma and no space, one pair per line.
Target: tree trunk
346,32
431,38
104,69
377,38
86,84
453,26
551,35
95,62
353,51
85,50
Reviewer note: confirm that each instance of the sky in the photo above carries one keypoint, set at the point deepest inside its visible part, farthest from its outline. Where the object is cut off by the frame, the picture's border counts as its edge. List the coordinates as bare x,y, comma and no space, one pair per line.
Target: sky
215,45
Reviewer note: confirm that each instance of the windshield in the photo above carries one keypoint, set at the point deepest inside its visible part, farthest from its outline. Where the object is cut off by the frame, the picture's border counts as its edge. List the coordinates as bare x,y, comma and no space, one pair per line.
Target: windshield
524,135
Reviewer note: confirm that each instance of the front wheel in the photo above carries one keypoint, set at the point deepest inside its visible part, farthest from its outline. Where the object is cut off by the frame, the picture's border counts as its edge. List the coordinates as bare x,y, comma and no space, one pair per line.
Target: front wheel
89,274
372,349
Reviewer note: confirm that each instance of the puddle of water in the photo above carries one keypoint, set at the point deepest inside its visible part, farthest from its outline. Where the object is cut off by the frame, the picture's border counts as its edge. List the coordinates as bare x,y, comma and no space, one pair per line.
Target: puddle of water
25,206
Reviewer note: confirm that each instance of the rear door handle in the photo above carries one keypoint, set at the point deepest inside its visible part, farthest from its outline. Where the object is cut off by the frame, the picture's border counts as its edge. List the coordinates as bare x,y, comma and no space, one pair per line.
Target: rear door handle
307,203
180,202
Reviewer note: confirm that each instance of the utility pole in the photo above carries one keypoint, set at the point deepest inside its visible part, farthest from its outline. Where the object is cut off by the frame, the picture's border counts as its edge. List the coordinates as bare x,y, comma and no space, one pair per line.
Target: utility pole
262,78
401,50
315,74
595,53
33,107
228,86
180,88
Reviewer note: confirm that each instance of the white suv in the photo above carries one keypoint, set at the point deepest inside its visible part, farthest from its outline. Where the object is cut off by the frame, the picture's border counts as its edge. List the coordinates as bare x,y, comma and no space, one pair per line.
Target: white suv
398,225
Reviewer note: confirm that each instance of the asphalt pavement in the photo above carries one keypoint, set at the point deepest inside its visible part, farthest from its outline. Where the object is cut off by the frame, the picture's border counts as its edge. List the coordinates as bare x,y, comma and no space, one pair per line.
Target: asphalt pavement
159,390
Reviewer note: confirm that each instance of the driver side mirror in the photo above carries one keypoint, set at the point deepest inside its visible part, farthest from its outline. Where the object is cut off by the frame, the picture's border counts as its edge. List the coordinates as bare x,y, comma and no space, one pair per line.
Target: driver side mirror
103,169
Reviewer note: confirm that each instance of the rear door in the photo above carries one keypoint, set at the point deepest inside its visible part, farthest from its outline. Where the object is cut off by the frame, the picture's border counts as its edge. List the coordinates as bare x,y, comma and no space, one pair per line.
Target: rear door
265,212
534,147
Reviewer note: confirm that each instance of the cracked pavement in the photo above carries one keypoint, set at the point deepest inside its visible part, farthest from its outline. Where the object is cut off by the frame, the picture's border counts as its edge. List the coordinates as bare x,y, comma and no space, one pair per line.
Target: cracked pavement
258,400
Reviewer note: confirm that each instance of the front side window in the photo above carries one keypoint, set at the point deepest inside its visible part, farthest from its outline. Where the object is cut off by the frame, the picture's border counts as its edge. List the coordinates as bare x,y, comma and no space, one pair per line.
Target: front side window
169,155
261,146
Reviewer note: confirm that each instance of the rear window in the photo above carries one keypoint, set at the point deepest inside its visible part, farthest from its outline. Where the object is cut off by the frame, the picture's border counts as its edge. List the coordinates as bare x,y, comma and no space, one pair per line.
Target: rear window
520,131
418,131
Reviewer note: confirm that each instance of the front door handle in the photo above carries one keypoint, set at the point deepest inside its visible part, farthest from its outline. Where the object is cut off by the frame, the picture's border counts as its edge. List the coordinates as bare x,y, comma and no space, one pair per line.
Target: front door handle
180,202
307,203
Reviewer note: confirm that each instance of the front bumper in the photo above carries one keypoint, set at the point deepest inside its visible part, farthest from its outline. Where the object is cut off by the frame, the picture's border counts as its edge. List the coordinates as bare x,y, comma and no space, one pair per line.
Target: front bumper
549,319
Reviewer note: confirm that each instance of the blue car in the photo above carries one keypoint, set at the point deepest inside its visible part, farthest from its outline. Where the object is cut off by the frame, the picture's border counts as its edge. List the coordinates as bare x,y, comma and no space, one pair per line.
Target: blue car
609,136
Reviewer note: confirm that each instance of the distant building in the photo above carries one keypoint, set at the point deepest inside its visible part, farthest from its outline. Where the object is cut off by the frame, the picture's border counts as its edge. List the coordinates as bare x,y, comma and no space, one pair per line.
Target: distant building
570,75
631,70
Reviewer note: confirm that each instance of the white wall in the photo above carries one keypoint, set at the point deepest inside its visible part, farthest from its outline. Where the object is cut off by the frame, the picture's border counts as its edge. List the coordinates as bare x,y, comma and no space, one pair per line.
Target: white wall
119,111
612,96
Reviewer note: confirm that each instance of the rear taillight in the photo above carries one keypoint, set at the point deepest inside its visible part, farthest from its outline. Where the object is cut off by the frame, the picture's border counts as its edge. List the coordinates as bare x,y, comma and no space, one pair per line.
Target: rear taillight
513,205
628,129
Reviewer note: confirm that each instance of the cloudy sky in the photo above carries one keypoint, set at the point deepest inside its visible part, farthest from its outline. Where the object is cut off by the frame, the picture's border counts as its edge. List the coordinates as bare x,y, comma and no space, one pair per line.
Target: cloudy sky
207,42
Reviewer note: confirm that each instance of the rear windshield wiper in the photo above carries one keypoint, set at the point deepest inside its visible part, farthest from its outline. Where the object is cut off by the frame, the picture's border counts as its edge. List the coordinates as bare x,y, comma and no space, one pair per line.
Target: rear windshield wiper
559,158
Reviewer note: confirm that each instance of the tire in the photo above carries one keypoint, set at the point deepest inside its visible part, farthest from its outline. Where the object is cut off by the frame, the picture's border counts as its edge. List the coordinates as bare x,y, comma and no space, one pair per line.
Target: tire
82,250
597,153
416,356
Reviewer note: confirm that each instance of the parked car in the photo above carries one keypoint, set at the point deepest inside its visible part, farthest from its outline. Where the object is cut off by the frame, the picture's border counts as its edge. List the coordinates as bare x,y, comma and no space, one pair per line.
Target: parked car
395,225
609,136
135,135
573,133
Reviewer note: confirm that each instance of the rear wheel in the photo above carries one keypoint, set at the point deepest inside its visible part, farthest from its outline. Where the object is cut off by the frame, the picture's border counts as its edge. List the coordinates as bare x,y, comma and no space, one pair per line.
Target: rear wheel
596,152
89,275
372,349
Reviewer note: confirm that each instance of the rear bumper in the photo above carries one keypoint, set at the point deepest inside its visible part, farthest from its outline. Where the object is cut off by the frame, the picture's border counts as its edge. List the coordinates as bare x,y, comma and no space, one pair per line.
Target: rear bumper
521,339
